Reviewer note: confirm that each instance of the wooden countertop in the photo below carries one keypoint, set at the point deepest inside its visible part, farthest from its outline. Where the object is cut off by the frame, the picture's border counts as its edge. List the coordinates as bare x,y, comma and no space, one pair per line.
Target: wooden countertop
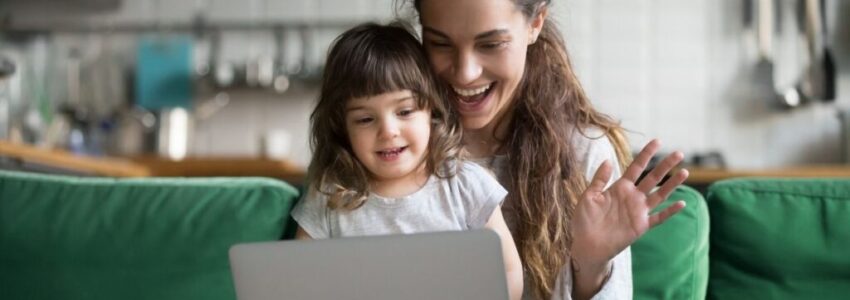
702,176
223,166
155,166
288,171
61,159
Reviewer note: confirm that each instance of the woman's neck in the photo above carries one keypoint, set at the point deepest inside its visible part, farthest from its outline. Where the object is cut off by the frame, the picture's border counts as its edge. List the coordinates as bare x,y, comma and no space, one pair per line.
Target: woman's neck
485,141
480,143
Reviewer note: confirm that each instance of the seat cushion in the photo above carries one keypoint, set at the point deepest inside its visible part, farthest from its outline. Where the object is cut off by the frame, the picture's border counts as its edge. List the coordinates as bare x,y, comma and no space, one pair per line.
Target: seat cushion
671,260
780,239
152,238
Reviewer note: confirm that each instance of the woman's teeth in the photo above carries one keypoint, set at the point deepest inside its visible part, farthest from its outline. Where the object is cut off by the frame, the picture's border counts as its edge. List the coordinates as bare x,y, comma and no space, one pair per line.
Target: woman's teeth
471,92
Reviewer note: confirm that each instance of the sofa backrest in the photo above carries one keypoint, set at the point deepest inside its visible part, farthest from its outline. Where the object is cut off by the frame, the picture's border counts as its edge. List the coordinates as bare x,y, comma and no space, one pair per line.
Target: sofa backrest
671,260
779,239
151,238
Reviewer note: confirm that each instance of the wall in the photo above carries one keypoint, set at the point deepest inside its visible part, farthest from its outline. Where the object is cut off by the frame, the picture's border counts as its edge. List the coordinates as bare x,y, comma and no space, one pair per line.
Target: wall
679,70
685,71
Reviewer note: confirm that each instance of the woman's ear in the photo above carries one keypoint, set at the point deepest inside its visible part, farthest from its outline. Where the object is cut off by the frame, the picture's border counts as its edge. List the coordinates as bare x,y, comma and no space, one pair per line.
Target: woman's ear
536,24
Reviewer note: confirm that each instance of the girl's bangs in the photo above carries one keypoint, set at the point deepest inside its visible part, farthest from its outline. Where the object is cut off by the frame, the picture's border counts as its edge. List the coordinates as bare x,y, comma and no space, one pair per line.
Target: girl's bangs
389,71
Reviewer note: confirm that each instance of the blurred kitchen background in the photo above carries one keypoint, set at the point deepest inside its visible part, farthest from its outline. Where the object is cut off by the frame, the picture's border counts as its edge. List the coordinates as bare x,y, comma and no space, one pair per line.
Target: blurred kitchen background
740,84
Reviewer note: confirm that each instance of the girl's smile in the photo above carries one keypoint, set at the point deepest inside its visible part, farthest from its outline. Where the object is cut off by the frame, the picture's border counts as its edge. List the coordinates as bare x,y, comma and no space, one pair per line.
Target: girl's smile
391,154
389,134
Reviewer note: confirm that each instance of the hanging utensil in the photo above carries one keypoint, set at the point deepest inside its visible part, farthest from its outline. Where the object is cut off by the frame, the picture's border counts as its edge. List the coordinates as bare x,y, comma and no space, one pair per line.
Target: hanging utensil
763,22
7,68
819,79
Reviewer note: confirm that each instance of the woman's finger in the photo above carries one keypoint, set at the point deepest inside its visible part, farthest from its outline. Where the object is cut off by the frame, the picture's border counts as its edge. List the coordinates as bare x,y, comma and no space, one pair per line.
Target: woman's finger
660,217
637,166
668,187
657,174
601,177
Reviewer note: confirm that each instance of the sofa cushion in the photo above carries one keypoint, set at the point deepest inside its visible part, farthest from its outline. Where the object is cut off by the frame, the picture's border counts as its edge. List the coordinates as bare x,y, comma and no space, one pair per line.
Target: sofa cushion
780,239
151,238
671,260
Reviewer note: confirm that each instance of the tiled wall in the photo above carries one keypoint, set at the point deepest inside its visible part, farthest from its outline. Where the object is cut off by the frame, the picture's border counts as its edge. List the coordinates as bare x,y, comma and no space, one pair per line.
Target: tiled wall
681,71
646,63
678,70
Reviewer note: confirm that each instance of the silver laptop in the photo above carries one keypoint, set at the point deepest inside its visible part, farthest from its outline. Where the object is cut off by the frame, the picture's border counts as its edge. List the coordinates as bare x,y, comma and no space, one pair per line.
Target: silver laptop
442,265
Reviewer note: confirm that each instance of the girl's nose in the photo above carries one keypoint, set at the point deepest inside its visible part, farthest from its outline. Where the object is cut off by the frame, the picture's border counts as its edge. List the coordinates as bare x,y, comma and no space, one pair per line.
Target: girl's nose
466,68
389,128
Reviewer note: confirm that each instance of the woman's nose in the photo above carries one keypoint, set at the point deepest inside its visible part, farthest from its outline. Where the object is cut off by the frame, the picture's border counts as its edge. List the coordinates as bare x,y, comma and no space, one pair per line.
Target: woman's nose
466,68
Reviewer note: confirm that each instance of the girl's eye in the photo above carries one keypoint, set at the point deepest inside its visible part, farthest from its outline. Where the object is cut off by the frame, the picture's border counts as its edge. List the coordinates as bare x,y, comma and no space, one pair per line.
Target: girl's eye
405,112
362,120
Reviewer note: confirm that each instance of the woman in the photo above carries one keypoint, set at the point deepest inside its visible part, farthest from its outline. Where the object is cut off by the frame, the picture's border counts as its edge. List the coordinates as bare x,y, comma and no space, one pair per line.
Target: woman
527,118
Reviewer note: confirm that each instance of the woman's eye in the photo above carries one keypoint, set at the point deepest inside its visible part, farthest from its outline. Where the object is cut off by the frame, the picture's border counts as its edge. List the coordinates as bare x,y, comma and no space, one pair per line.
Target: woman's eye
436,44
493,45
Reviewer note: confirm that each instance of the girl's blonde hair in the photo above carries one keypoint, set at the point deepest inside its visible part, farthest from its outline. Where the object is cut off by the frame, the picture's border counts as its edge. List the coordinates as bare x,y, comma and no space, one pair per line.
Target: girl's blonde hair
369,60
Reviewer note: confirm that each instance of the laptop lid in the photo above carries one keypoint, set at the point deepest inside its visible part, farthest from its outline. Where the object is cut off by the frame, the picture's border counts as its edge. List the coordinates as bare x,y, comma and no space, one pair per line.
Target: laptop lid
441,265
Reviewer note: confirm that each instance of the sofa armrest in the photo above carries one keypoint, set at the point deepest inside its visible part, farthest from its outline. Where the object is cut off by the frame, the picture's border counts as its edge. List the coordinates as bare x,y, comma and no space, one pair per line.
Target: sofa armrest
671,260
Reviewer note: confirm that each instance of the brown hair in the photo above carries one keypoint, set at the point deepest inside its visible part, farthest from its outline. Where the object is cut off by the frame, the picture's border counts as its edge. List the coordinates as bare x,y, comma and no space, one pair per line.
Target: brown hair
542,174
367,60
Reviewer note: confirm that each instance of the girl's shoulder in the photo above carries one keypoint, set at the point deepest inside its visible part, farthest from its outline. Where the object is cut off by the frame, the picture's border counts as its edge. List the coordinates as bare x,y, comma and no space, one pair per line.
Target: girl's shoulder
475,177
467,169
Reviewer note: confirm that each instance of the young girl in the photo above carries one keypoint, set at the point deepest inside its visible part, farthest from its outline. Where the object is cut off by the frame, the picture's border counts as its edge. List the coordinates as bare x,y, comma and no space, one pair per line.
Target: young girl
386,150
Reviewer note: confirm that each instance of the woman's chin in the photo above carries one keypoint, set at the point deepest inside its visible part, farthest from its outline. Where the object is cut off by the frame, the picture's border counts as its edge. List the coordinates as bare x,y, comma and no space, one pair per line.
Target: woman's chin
475,122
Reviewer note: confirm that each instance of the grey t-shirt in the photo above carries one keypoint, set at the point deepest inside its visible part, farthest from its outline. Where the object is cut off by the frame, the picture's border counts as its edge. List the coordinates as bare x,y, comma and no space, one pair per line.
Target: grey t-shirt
464,201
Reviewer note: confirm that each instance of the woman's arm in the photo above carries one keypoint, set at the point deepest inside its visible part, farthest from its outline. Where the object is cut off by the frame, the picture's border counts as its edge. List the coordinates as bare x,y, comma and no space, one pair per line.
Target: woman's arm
607,221
513,265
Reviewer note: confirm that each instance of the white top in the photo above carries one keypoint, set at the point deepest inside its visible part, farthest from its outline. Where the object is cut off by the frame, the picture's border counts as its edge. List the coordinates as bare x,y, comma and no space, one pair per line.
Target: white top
590,153
464,201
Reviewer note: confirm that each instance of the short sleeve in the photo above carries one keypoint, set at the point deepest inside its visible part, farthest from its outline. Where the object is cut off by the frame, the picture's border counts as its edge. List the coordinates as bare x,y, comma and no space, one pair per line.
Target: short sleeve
311,214
592,150
481,193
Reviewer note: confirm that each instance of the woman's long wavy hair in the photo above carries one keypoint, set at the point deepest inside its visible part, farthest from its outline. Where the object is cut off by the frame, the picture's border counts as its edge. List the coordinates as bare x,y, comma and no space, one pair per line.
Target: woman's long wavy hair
542,174
370,60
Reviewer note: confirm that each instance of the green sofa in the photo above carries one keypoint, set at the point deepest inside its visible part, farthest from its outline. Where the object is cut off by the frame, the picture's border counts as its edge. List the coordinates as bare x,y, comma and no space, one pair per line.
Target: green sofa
767,238
154,238
67,237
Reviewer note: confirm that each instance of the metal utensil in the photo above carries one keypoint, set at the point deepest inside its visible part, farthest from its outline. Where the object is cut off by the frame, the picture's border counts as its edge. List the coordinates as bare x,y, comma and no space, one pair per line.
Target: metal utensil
819,79
763,14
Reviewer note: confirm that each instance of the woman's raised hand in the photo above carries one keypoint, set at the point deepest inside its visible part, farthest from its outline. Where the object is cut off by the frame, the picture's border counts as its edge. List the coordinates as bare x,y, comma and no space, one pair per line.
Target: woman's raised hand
607,221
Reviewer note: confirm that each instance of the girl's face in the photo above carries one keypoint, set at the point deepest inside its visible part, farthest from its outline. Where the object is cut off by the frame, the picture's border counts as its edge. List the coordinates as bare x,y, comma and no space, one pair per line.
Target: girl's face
479,47
389,135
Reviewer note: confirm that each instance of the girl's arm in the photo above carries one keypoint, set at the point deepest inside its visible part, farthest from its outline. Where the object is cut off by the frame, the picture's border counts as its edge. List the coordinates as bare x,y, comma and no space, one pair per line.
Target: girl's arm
300,234
513,265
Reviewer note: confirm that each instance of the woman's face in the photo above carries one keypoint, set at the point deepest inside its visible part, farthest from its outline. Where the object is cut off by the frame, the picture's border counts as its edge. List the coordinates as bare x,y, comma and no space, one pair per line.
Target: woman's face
479,47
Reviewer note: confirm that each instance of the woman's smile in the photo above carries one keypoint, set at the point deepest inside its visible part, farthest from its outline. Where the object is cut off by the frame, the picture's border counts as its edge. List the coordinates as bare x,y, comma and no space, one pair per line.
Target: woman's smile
471,101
